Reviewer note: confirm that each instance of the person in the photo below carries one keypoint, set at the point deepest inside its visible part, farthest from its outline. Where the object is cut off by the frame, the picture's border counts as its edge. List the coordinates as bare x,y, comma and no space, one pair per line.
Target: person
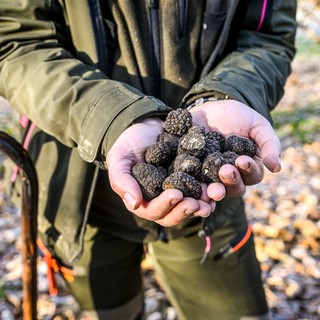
93,81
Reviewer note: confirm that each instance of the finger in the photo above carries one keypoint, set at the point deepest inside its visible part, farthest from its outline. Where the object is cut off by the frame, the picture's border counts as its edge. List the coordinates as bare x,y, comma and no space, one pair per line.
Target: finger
160,206
187,208
251,170
183,210
127,188
205,209
231,178
216,191
121,180
269,145
272,162
204,194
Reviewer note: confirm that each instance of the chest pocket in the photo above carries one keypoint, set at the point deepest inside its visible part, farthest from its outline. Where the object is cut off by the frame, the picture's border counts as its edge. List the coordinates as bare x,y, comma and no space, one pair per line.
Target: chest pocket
213,20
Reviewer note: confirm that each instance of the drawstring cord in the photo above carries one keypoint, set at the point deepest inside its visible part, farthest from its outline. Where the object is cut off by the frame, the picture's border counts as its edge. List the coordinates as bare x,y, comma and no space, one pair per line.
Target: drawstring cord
206,250
204,233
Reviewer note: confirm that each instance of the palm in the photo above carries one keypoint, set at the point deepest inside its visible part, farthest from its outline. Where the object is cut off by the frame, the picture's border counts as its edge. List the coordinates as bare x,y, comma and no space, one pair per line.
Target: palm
233,117
133,142
221,116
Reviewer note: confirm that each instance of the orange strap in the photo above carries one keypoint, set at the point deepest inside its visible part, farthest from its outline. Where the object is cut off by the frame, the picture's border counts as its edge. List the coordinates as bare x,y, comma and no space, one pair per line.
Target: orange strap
52,267
243,240
234,245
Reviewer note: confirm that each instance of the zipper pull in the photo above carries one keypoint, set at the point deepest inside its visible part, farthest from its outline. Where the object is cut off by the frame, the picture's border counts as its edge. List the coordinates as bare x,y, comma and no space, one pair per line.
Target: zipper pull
154,4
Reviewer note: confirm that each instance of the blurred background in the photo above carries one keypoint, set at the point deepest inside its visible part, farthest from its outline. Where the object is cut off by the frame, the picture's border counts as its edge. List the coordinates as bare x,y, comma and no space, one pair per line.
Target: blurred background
284,209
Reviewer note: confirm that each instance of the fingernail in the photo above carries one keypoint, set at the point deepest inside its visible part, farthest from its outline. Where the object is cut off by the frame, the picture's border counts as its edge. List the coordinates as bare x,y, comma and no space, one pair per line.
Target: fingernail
189,212
230,177
245,166
175,201
130,200
277,167
220,197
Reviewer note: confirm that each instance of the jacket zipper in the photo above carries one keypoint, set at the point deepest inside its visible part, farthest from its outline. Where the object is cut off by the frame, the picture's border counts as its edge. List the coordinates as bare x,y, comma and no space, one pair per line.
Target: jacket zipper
183,9
156,65
155,43
100,35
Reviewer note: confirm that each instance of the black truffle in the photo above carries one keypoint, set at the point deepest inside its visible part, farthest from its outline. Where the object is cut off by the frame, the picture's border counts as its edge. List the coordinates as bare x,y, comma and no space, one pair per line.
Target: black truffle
187,163
178,122
211,147
193,142
217,137
158,153
182,181
171,139
230,157
240,145
211,166
149,178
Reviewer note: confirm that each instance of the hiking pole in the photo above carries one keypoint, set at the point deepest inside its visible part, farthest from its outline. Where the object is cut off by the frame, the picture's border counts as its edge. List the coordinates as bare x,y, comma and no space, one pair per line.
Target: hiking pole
29,208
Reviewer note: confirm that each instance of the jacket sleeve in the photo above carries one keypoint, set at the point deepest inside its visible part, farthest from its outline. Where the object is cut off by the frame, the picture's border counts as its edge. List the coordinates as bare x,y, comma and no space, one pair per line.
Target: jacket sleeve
256,70
42,78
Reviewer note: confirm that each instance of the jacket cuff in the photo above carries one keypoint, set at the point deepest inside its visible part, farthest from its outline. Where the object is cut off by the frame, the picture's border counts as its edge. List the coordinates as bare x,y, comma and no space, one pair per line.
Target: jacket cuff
146,107
221,89
121,107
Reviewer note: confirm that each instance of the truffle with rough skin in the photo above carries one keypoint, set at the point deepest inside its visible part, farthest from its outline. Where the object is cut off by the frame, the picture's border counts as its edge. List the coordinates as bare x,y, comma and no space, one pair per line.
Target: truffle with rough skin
193,142
182,181
178,122
149,178
217,137
171,139
230,157
214,142
158,153
187,163
240,145
211,147
211,166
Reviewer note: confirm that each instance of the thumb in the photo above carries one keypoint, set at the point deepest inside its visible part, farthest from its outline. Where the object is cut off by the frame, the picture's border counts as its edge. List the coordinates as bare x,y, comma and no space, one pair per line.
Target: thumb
272,162
270,147
126,187
121,180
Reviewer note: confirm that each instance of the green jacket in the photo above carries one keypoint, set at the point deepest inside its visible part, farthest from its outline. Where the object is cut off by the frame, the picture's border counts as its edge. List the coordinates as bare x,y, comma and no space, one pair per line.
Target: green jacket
83,71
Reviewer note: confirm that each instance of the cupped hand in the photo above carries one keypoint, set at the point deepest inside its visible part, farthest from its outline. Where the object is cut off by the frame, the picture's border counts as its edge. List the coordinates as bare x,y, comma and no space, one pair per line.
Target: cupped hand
170,207
233,117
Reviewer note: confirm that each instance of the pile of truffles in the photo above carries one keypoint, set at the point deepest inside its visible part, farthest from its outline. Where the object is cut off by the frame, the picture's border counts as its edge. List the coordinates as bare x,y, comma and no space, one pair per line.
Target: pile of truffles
185,155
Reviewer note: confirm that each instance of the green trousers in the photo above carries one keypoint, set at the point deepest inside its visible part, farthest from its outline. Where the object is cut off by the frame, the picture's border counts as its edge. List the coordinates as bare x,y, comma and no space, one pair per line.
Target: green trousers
226,286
